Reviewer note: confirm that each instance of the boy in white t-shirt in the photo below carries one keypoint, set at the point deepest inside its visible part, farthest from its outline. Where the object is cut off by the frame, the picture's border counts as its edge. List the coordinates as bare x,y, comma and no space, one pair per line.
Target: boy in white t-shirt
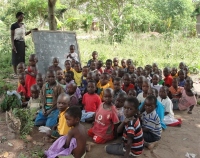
72,54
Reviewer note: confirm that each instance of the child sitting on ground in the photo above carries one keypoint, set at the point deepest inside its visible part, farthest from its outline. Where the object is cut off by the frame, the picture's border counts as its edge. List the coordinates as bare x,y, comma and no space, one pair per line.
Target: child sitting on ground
74,100
150,123
106,120
138,86
115,63
49,94
67,67
74,143
132,93
168,78
108,68
127,83
188,99
117,84
132,140
60,79
72,54
181,76
77,73
55,66
103,84
91,102
145,87
119,103
94,58
155,81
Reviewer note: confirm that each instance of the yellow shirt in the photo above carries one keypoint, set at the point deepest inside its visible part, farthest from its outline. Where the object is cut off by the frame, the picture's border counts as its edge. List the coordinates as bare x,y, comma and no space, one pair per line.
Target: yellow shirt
101,88
111,83
64,71
62,127
77,77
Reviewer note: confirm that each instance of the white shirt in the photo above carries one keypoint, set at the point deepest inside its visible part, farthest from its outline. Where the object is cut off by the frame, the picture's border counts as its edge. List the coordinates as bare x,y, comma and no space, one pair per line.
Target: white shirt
74,56
140,97
156,86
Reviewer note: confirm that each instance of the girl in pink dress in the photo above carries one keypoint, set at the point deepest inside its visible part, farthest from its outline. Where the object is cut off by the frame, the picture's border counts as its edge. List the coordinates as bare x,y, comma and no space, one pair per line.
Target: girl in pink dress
188,99
31,73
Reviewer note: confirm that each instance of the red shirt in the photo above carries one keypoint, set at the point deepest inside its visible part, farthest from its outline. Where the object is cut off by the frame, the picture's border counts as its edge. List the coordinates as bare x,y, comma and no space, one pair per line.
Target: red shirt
104,122
168,81
91,102
131,86
109,71
100,70
23,91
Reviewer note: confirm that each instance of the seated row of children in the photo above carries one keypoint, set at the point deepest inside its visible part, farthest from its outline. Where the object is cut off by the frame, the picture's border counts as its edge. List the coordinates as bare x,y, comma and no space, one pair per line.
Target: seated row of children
102,95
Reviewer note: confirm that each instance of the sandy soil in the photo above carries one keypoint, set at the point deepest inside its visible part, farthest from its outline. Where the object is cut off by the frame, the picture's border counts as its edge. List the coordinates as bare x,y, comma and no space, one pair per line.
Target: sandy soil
175,141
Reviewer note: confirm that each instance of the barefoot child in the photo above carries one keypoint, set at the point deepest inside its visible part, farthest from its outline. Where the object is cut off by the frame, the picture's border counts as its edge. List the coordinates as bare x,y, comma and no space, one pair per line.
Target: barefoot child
55,66
106,120
72,145
132,140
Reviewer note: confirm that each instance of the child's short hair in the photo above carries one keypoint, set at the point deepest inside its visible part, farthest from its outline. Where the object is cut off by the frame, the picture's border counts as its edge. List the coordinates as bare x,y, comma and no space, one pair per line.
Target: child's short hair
95,52
110,90
122,95
154,91
85,67
109,60
51,72
181,71
55,59
127,75
74,111
106,74
133,101
165,88
92,81
152,98
189,81
68,61
156,75
118,79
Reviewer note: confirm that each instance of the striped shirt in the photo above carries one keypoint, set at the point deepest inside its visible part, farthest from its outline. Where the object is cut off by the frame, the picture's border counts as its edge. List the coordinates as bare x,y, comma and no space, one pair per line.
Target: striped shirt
49,96
152,122
134,131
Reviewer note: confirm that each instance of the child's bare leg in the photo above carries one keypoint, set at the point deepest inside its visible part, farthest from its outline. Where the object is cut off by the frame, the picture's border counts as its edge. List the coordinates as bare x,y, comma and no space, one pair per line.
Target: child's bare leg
190,109
150,146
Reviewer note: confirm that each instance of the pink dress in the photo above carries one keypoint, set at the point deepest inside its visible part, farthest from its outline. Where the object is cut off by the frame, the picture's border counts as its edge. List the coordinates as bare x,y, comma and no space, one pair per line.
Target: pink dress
186,101
30,80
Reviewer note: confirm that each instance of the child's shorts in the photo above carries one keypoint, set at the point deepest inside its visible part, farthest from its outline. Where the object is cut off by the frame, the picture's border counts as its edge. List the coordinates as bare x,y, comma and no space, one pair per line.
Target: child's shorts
96,139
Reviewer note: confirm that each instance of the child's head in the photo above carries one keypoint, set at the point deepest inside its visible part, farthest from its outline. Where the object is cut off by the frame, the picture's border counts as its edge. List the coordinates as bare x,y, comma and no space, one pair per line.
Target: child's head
99,64
85,71
32,61
129,62
119,102
72,88
51,77
133,78
20,68
144,73
39,80
73,115
108,63
21,78
90,76
131,107
163,92
114,74
117,83
127,79
145,86
121,72
131,69
77,67
166,71
94,55
35,91
108,96
132,93
150,104
55,61
62,102
181,74
59,75
104,79
139,71
175,82
123,63
69,76
155,79
115,61
153,92
72,48
68,65
93,65
154,66
188,85
181,65
174,71
140,80
97,76
91,87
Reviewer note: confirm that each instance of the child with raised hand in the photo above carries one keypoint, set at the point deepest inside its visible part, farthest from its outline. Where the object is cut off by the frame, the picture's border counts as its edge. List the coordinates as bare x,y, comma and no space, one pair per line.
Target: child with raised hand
74,143
145,87
117,84
60,78
91,102
49,94
132,139
103,84
127,83
115,63
94,58
22,89
31,73
154,83
74,100
106,120
174,72
39,80
181,76
68,66
77,73
168,78
150,123
72,54
188,99
100,66
55,66
108,68
119,103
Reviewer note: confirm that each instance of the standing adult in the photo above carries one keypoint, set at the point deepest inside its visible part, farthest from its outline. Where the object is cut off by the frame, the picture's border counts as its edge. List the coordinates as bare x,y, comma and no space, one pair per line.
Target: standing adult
18,34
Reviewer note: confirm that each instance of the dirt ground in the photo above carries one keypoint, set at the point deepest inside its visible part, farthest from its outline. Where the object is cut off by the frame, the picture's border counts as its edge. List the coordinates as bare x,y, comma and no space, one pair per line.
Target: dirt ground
175,141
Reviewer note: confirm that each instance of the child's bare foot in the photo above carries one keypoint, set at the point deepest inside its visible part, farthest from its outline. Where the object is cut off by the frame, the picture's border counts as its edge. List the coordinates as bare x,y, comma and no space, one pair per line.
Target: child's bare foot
88,146
189,112
150,146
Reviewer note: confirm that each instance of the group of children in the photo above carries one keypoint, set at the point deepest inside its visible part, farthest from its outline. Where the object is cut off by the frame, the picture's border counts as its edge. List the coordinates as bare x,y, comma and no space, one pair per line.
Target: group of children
118,100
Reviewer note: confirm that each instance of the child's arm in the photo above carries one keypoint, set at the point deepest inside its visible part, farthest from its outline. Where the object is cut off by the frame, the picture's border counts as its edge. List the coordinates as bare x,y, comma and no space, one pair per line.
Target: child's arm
115,130
69,137
128,147
121,126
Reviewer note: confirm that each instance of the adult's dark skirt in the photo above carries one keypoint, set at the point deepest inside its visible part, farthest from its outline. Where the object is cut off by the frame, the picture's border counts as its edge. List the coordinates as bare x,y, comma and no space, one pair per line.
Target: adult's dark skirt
20,55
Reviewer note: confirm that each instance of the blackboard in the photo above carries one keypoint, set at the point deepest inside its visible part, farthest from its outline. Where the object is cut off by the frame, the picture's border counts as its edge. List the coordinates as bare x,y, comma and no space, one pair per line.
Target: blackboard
50,44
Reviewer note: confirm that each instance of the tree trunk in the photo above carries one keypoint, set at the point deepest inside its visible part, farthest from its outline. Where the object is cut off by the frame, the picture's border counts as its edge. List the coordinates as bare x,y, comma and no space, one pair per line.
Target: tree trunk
51,13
